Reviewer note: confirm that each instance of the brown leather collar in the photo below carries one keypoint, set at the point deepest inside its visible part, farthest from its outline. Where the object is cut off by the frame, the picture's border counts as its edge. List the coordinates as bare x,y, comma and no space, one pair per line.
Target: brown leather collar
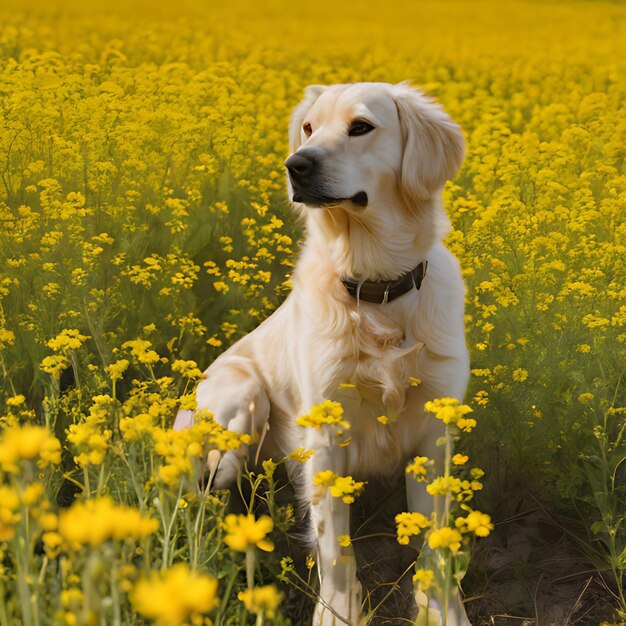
383,291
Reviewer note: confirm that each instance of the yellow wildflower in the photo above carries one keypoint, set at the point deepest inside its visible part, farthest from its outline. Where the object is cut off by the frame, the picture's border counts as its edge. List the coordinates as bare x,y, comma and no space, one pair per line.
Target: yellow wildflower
16,400
410,524
445,538
89,441
448,410
28,443
424,577
475,522
175,596
188,369
9,516
54,365
326,413
344,487
261,600
140,349
95,521
417,468
243,532
67,341
301,455
444,485
117,369
520,375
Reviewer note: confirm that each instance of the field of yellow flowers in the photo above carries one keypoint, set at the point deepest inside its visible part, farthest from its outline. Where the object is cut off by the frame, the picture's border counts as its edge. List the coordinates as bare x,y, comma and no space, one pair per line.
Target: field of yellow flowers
145,227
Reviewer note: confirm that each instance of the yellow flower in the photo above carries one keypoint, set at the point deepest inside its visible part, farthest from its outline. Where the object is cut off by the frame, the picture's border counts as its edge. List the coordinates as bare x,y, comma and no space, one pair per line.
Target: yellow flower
67,341
460,459
383,419
410,524
520,375
7,338
117,369
48,521
16,400
417,468
466,424
89,441
301,455
344,487
32,493
325,478
92,522
444,485
134,428
449,411
188,402
140,349
188,369
481,398
174,596
52,542
54,365
327,413
475,522
344,541
243,532
261,600
424,577
445,538
9,516
28,443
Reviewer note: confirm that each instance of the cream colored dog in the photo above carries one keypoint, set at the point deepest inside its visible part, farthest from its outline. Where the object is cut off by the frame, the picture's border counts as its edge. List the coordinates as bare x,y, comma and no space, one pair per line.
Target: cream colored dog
376,299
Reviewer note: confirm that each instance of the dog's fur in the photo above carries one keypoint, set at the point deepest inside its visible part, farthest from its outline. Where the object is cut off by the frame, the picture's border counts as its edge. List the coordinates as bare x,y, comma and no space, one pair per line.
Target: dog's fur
321,336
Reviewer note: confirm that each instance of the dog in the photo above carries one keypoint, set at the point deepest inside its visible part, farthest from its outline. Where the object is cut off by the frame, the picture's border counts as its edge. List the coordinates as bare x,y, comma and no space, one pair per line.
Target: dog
377,299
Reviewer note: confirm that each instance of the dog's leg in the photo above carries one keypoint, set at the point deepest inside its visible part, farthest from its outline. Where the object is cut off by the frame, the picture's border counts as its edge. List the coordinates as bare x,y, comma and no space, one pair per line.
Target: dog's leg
233,392
339,601
433,370
420,501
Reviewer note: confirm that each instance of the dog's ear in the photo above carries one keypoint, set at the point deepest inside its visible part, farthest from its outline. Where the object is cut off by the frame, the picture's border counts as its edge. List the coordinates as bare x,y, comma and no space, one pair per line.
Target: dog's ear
433,144
311,94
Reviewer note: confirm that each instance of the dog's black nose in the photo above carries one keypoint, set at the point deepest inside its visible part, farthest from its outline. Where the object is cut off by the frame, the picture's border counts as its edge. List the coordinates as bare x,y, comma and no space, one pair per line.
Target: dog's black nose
301,166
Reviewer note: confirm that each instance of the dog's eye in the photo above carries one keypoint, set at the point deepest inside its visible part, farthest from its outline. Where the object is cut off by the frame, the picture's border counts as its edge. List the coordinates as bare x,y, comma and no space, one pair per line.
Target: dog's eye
307,129
359,127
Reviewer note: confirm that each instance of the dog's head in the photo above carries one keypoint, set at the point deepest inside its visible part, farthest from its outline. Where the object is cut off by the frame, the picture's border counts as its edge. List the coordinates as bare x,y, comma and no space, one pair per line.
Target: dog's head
370,144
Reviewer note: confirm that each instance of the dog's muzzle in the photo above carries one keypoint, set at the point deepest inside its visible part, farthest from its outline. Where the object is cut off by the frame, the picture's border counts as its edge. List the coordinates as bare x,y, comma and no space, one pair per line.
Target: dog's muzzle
307,181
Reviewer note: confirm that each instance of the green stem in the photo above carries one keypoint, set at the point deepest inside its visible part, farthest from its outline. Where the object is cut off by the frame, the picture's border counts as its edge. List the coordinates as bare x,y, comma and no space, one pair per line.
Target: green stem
115,596
225,597
87,486
4,619
250,567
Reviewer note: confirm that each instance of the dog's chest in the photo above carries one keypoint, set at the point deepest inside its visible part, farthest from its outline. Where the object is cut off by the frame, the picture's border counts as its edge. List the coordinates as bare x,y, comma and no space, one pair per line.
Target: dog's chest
380,441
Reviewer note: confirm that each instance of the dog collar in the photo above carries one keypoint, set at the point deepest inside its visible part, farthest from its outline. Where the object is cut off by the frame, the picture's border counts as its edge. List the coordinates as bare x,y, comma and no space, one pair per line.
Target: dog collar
382,291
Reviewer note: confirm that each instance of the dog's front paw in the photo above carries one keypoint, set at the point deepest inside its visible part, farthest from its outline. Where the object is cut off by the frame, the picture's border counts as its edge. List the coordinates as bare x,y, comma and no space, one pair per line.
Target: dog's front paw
227,471
184,419
337,608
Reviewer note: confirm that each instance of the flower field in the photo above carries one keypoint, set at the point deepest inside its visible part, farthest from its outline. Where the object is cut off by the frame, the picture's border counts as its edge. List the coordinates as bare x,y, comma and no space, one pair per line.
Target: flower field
146,227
